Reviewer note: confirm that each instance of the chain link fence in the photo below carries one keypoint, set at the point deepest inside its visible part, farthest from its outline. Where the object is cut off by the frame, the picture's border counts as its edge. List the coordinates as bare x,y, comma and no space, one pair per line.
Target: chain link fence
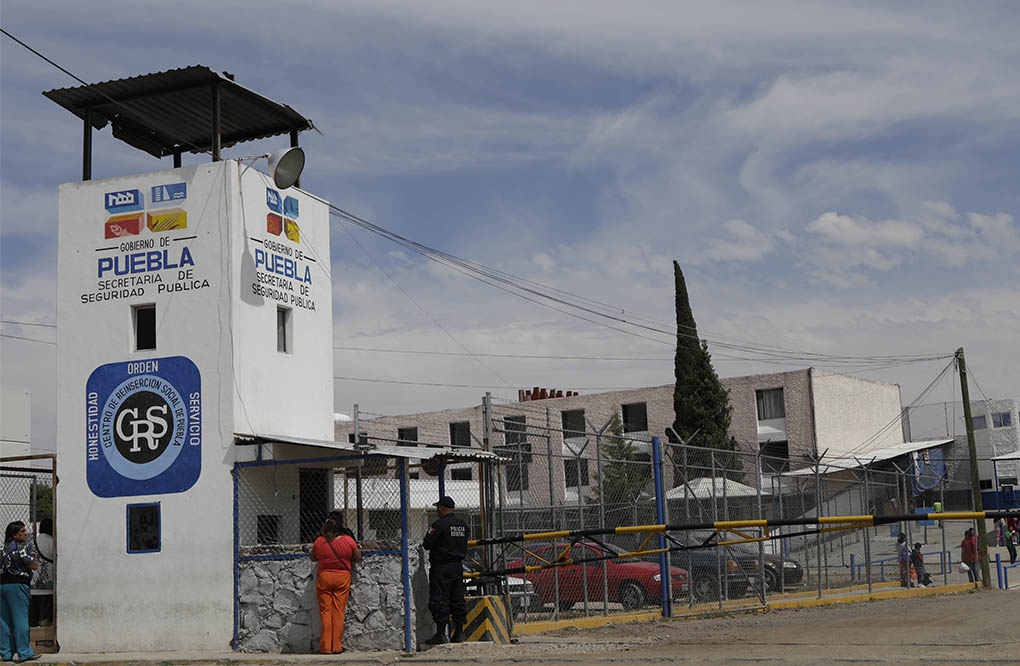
27,494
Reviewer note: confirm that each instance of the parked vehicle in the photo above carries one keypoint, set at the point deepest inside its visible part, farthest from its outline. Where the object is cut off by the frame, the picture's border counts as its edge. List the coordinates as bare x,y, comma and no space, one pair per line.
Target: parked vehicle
715,571
522,593
631,582
780,572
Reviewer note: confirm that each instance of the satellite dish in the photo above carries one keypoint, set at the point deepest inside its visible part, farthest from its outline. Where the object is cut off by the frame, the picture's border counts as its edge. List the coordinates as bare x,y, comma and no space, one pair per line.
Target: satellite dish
285,166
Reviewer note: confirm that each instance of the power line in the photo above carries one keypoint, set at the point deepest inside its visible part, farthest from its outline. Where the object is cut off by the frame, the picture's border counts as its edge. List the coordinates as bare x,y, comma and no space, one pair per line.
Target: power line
18,337
26,323
531,356
471,386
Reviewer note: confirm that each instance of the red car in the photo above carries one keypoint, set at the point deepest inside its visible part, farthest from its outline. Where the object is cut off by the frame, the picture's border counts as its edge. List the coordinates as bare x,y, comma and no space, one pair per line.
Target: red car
633,583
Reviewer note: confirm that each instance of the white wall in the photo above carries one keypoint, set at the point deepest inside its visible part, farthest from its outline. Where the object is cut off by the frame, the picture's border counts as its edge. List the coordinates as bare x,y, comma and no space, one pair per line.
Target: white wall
284,394
15,422
182,596
853,415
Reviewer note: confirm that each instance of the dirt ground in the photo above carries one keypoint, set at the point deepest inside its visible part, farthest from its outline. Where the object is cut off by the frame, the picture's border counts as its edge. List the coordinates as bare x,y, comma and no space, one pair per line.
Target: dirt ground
965,628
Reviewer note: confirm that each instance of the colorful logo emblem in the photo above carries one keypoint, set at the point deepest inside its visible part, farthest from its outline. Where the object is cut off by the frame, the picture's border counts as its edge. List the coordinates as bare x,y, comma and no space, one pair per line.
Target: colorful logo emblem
165,220
274,224
143,427
124,201
290,207
119,226
170,193
273,200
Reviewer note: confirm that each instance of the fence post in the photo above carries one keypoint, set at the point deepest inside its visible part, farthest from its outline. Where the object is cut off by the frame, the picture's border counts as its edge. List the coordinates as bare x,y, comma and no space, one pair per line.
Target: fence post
237,557
998,569
660,517
405,554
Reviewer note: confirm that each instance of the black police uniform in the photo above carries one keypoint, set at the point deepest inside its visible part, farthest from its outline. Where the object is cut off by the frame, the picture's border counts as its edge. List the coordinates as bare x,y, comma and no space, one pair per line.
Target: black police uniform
446,542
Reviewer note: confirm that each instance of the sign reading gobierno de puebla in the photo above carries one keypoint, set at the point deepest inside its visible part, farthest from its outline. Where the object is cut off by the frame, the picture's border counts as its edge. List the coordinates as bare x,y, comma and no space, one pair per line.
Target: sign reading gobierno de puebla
143,427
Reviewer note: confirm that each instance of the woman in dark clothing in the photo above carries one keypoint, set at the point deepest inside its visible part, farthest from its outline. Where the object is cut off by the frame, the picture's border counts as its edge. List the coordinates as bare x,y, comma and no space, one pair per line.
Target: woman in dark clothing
16,569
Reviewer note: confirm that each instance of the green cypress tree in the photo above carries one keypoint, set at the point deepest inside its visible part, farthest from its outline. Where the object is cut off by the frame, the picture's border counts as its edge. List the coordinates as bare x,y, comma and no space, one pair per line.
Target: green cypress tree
700,402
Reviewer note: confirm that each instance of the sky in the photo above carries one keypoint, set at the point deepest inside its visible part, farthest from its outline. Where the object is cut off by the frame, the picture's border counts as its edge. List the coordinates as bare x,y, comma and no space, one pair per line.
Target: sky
838,182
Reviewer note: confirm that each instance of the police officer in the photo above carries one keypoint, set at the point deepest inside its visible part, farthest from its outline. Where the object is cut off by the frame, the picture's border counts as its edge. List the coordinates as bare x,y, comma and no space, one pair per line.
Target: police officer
446,542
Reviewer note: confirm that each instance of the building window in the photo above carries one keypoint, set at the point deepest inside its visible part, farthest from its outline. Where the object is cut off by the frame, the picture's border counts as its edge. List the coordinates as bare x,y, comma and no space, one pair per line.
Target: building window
573,423
978,422
1001,419
1007,481
143,319
575,472
985,484
407,436
460,473
284,330
775,457
518,449
635,417
314,490
143,528
770,404
267,529
460,434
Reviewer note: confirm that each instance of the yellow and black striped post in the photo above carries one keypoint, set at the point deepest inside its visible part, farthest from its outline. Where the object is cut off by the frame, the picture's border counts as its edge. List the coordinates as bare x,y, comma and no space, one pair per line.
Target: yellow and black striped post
488,619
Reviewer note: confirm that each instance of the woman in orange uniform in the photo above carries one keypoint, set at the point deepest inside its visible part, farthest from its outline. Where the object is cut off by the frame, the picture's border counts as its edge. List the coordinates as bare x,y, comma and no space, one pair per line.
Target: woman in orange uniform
335,552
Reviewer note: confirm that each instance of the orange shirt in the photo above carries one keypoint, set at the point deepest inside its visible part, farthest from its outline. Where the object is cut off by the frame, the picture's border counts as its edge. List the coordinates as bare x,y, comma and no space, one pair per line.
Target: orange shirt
328,561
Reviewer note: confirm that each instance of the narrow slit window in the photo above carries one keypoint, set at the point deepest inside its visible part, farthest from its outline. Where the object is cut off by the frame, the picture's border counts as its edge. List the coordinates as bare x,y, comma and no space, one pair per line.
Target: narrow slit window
143,317
284,330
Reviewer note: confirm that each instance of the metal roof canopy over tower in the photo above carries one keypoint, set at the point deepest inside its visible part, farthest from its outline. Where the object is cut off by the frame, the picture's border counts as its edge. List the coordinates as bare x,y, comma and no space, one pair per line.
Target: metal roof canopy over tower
192,109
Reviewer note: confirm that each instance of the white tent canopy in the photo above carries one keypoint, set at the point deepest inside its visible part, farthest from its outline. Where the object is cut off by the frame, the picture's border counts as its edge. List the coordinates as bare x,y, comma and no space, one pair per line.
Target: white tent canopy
706,488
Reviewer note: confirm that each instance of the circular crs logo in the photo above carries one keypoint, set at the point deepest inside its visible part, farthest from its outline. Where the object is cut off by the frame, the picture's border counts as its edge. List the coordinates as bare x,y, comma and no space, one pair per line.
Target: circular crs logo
144,426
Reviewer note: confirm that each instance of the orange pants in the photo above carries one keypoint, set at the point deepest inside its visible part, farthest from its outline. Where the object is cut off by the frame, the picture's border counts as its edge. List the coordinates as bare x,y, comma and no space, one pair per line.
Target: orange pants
332,589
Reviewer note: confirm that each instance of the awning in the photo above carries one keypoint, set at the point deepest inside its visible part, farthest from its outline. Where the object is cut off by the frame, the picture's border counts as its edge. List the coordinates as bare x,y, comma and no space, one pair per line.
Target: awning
843,463
418,452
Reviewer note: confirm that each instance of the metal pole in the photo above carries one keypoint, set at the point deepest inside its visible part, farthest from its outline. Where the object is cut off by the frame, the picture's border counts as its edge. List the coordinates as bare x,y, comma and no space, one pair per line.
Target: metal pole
358,498
217,132
660,516
975,478
405,554
86,147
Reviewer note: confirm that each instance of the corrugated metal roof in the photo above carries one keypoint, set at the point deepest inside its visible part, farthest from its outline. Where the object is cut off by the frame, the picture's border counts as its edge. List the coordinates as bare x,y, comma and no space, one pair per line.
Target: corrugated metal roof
833,464
420,452
172,112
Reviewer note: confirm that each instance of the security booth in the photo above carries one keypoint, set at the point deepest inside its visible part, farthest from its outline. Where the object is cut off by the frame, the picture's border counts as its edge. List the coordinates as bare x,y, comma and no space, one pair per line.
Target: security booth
282,497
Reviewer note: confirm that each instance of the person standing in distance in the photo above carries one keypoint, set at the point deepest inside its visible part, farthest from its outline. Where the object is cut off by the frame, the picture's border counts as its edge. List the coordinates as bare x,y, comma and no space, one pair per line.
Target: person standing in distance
446,542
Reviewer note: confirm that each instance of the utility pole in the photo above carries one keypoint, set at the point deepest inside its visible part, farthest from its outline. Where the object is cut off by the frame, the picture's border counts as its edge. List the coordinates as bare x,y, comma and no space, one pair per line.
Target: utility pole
975,480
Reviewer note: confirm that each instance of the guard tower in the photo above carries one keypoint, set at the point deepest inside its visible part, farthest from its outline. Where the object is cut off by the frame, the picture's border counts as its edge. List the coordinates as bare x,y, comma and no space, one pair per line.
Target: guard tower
194,307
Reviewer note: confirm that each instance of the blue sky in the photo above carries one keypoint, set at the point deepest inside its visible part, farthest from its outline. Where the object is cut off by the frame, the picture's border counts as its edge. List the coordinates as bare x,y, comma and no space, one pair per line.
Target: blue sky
833,179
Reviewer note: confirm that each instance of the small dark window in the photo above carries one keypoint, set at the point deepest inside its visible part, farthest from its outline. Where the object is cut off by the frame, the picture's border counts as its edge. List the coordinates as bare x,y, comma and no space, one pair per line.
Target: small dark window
635,417
575,472
979,422
985,484
460,473
144,319
770,404
1007,482
267,529
1001,419
775,457
460,434
573,423
407,436
143,528
284,330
